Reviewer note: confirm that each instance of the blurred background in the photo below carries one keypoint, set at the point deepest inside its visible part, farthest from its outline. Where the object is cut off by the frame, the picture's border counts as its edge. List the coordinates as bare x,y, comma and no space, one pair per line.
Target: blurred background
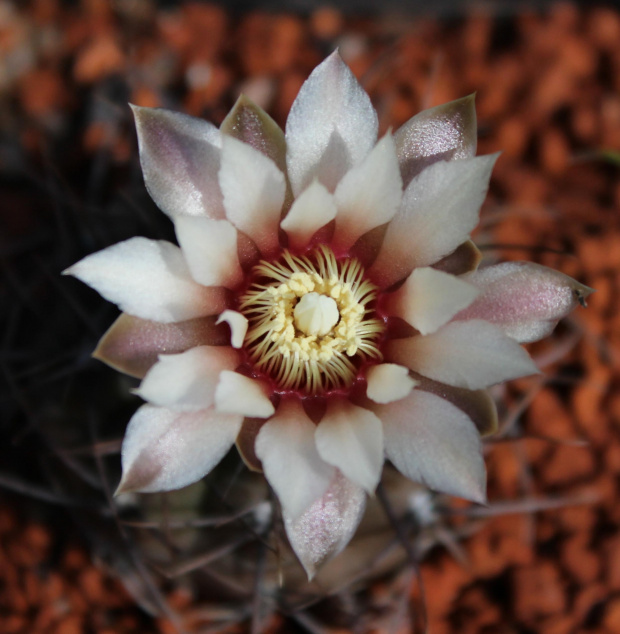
544,557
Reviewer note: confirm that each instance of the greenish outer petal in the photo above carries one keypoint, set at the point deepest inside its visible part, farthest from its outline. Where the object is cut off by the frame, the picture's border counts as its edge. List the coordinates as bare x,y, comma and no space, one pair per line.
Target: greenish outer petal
441,133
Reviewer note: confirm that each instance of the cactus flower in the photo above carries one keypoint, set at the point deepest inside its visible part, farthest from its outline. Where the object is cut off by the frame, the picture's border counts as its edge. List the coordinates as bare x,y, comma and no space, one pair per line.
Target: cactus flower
323,309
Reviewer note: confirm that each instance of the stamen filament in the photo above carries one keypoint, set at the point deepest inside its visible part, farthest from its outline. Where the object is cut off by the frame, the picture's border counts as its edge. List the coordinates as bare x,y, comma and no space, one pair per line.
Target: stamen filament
294,353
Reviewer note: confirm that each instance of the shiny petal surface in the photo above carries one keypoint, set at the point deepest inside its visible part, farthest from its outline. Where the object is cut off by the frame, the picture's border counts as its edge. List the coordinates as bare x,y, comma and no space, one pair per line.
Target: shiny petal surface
429,299
438,211
313,209
387,382
369,194
470,354
351,438
180,158
331,127
324,529
148,279
433,442
132,345
249,123
238,394
441,133
165,450
253,189
187,381
238,325
524,299
210,250
285,446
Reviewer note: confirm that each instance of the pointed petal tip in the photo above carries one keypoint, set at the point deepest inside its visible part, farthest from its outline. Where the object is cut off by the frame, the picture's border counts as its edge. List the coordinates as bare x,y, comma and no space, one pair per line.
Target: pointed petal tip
126,486
310,571
139,111
478,494
582,292
120,489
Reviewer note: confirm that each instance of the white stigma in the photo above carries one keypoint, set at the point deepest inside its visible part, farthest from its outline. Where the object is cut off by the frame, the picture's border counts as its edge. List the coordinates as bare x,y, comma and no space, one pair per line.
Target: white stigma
316,314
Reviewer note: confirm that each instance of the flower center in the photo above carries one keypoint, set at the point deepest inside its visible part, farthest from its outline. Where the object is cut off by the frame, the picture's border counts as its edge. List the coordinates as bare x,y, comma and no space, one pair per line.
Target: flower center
311,322
315,314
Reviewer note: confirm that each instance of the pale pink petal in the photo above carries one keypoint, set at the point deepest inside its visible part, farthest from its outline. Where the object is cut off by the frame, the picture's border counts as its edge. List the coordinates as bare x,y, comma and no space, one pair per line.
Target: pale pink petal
165,450
369,194
187,381
285,445
470,354
312,209
210,250
438,211
253,189
238,325
387,382
438,134
429,299
132,345
331,126
524,299
351,438
325,528
433,442
238,394
249,123
148,279
180,158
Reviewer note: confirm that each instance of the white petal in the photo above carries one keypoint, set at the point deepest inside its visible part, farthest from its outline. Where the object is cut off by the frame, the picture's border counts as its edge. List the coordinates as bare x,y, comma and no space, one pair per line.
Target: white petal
291,462
253,189
249,123
369,194
238,394
148,279
351,438
429,299
471,354
433,442
313,209
132,345
444,132
165,450
479,405
180,158
210,249
328,525
331,127
439,209
524,299
238,326
187,381
387,382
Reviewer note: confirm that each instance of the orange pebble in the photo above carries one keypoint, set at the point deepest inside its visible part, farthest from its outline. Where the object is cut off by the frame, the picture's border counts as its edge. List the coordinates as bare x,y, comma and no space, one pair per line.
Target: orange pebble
539,591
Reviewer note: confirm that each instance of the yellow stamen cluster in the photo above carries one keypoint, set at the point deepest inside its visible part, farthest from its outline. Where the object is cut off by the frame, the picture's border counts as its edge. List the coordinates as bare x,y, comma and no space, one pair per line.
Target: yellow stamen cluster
303,360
